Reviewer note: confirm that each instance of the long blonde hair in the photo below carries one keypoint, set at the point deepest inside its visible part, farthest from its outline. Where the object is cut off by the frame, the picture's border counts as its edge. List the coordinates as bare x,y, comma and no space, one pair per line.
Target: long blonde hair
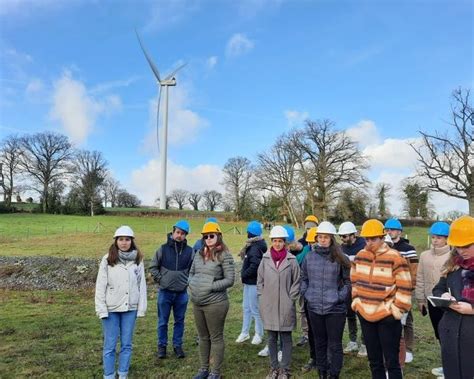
450,265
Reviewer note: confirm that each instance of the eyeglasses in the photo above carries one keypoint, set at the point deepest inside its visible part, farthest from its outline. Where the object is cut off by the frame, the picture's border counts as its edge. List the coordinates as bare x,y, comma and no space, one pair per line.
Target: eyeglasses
344,236
211,236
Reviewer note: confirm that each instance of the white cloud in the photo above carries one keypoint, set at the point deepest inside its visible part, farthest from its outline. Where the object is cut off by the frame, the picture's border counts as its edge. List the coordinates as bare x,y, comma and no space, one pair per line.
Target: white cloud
164,14
144,181
107,86
184,125
365,133
393,153
76,110
211,62
35,90
238,44
295,118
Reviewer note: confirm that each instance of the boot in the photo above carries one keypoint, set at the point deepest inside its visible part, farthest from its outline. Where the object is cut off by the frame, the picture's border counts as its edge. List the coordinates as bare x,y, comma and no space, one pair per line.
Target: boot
323,374
332,376
273,374
161,352
284,374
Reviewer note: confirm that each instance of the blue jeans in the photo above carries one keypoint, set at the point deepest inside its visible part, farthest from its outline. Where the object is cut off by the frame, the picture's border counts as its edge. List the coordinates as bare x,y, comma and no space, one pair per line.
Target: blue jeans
250,307
118,324
179,302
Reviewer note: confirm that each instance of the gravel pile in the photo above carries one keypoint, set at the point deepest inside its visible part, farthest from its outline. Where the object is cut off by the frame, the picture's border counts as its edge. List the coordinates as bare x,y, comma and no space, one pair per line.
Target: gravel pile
47,273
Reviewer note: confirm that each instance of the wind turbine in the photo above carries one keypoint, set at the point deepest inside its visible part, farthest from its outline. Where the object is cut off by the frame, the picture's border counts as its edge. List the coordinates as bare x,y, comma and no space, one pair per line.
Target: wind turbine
169,81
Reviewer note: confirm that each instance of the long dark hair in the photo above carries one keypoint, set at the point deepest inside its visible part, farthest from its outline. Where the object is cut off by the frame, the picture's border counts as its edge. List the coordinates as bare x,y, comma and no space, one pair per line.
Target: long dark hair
336,254
113,256
216,252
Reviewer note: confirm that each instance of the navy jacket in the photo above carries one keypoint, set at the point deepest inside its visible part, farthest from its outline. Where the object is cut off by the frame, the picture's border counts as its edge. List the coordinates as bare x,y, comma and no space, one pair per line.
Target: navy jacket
253,256
352,250
406,250
325,285
171,264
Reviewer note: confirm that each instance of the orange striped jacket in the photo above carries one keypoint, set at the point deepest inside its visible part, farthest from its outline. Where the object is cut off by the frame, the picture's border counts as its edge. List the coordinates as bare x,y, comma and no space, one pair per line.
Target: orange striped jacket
381,284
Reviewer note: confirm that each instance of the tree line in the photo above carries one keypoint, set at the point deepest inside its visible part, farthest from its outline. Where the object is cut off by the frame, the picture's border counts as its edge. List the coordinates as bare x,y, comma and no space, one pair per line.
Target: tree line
315,169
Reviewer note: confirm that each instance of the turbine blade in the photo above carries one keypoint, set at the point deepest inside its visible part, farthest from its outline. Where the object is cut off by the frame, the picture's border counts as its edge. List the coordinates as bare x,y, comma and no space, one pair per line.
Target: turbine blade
158,121
148,58
175,71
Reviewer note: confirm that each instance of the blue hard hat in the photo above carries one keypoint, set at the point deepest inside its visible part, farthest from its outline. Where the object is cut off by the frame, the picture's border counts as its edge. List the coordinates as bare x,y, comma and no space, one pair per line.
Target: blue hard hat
291,233
393,223
440,228
183,225
212,219
255,228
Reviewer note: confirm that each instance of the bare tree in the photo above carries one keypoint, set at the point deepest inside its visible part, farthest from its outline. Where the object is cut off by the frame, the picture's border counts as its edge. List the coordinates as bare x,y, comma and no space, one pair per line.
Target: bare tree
46,157
275,173
10,152
179,196
194,198
329,161
381,193
212,199
110,189
90,169
237,181
447,162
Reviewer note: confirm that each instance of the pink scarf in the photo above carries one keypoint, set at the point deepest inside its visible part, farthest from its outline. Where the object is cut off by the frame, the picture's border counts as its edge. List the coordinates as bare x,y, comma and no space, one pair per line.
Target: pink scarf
278,255
467,266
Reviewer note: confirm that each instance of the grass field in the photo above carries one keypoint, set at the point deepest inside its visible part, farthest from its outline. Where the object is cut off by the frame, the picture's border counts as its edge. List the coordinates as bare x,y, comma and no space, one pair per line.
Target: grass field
57,335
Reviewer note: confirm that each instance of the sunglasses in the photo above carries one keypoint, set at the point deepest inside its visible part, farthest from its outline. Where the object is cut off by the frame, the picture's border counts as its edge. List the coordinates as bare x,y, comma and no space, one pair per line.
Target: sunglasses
211,236
344,236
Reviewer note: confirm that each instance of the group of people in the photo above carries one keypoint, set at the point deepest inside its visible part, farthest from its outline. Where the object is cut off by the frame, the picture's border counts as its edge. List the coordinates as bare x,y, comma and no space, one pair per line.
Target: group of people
370,276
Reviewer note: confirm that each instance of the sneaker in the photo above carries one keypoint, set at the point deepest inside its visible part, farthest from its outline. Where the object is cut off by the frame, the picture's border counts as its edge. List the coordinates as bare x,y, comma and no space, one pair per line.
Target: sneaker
280,356
303,341
257,339
242,337
273,374
161,352
213,375
264,352
201,374
178,350
284,374
438,371
311,365
351,347
362,351
409,357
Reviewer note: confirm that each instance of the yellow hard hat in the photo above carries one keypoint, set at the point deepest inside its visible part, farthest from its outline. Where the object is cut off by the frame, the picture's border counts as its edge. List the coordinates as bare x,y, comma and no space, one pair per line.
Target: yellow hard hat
372,228
211,227
461,232
311,235
311,218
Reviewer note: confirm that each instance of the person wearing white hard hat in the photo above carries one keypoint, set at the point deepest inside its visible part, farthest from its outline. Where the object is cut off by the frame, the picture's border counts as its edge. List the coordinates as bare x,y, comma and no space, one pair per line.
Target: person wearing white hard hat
120,297
351,244
326,286
278,285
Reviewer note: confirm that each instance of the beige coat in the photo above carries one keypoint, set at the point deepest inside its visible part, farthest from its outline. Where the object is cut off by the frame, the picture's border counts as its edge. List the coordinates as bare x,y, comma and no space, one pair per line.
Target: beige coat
429,271
277,291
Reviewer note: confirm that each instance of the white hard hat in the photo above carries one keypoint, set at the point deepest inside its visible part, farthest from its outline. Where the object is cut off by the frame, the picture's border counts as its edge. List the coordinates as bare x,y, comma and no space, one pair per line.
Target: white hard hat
326,228
347,228
124,231
278,232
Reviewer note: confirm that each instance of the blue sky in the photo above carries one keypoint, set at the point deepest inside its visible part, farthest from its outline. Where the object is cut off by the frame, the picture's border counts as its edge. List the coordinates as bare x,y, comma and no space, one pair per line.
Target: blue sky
380,69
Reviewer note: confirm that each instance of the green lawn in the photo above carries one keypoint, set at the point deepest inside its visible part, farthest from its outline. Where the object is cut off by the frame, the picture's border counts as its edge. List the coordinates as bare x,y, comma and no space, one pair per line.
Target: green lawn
57,335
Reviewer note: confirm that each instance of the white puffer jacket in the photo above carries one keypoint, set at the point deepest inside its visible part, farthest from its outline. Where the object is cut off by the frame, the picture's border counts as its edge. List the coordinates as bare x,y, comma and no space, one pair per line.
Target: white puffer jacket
120,288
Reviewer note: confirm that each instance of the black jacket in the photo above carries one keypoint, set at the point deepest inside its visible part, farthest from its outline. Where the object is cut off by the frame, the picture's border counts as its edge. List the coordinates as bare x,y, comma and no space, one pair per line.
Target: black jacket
253,256
357,246
171,264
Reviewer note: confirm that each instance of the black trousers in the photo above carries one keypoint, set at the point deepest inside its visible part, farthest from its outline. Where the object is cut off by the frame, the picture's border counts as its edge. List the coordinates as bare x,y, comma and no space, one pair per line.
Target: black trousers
327,331
382,339
435,316
312,349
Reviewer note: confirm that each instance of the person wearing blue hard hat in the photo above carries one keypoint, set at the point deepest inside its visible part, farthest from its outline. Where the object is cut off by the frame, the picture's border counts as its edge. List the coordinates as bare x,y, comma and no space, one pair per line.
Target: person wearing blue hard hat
170,270
393,227
251,255
429,273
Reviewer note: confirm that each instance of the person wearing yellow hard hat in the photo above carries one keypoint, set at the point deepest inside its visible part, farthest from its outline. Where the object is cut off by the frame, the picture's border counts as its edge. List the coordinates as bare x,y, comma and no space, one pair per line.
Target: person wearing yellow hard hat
310,221
311,240
212,272
456,328
381,295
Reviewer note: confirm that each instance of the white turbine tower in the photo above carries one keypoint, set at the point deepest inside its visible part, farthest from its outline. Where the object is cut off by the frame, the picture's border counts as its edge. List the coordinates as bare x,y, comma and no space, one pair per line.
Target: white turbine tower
169,81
